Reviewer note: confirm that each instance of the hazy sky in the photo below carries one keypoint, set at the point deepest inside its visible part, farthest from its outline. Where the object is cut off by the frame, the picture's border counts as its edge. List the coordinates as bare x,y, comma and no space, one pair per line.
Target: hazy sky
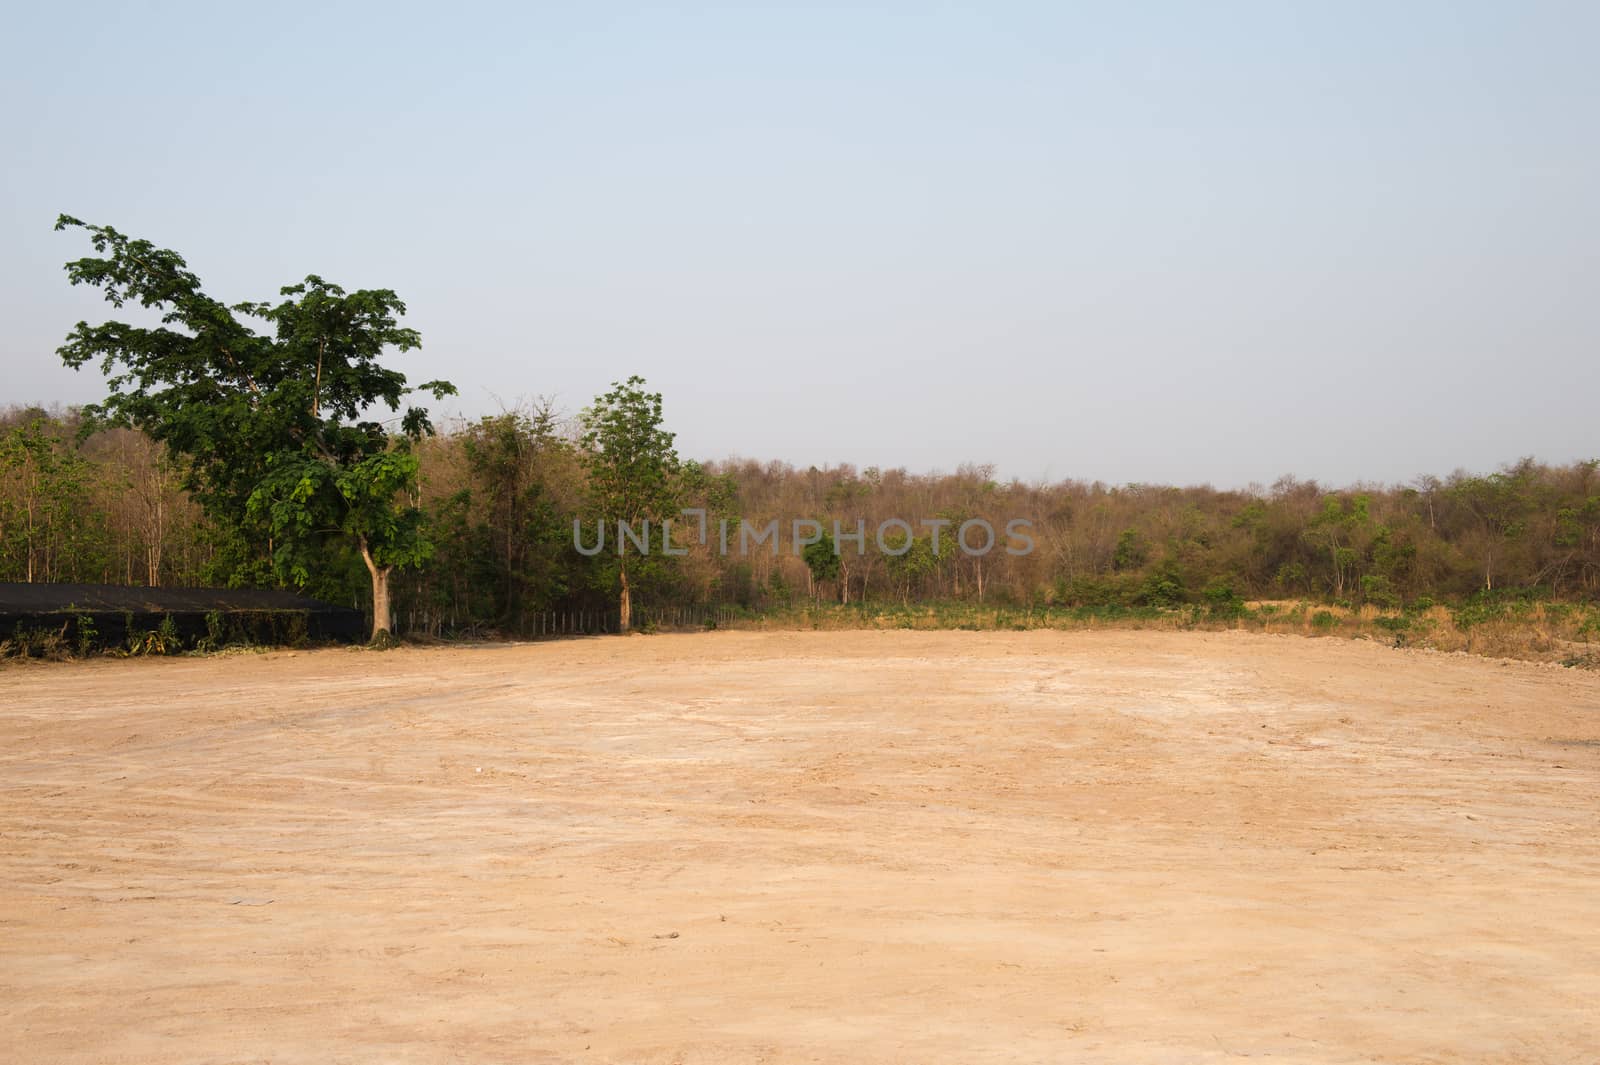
1161,242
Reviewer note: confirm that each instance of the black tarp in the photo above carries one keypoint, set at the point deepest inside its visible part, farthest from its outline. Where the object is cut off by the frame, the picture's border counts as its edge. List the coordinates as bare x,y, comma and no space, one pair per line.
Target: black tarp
220,615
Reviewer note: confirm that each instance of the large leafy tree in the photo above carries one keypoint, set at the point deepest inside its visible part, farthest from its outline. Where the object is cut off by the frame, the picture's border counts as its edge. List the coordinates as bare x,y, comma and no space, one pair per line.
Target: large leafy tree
633,473
269,404
524,550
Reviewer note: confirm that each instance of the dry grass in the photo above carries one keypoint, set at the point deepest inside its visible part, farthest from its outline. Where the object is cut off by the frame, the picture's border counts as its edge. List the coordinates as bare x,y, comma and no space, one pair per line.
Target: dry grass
1567,634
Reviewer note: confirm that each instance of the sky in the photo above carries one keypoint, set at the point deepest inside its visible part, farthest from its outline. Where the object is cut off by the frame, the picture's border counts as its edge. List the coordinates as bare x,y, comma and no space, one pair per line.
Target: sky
1177,243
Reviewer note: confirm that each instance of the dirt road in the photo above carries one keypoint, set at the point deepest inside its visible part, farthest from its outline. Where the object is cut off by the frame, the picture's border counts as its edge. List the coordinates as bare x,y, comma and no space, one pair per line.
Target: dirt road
822,847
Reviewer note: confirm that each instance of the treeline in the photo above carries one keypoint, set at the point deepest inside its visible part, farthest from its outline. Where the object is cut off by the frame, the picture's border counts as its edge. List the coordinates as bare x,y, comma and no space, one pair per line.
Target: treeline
501,495
106,509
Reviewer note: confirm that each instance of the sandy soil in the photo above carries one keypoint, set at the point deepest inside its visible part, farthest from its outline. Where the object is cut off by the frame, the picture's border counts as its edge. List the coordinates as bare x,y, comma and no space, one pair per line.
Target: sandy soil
814,847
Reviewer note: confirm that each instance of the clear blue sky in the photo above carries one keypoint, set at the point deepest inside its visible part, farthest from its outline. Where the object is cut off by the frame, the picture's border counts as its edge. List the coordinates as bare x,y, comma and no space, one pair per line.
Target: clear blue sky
1159,242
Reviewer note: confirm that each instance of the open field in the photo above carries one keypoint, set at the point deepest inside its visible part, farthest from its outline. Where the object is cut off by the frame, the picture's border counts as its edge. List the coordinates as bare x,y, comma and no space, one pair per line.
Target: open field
841,847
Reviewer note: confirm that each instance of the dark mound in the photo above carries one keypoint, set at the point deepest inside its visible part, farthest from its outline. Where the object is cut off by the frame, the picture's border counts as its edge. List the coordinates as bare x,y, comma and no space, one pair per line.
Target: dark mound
110,615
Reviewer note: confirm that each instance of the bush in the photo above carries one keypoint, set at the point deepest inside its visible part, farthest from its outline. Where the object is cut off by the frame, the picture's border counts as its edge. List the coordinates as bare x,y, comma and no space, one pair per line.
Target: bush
1098,591
86,633
1222,601
1477,612
36,643
162,640
1377,590
1163,586
1130,552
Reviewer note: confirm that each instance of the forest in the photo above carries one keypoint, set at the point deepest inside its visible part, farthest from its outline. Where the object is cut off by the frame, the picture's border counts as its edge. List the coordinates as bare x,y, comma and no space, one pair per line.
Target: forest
499,497
269,445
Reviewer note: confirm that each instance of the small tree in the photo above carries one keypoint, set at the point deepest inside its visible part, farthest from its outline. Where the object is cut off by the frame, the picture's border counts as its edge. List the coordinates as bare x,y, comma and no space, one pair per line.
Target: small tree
273,425
1339,530
1499,504
822,560
632,468
1130,553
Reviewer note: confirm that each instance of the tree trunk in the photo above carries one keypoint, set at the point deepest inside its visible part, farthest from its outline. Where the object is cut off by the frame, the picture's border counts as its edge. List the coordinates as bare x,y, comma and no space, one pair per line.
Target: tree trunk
29,540
382,621
156,531
624,605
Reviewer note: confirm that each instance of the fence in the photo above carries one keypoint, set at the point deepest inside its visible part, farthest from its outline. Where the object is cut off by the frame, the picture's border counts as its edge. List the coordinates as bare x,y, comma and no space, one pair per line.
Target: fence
574,622
646,618
686,617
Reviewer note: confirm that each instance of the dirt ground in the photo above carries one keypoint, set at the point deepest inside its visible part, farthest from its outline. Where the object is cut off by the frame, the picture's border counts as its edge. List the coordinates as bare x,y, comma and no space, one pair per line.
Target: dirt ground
861,847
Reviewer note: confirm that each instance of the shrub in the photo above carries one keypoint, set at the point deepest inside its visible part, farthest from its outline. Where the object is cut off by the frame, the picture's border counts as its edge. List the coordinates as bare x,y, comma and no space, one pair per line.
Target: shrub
1163,586
1222,601
86,633
1130,552
1377,590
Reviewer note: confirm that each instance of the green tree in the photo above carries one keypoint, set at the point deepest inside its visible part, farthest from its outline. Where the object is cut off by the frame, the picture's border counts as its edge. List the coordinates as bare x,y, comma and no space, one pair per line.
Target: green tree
633,472
1130,552
48,527
915,564
369,501
1498,504
822,559
526,547
1339,530
274,423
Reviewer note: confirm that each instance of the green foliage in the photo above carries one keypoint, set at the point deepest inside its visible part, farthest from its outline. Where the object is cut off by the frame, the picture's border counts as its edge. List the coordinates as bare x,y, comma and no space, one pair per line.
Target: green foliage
216,632
36,642
268,402
1222,602
1379,591
503,547
632,471
304,485
86,632
162,640
306,501
1091,591
916,563
1130,552
778,588
1164,586
49,528
1291,577
1341,530
822,558
629,456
